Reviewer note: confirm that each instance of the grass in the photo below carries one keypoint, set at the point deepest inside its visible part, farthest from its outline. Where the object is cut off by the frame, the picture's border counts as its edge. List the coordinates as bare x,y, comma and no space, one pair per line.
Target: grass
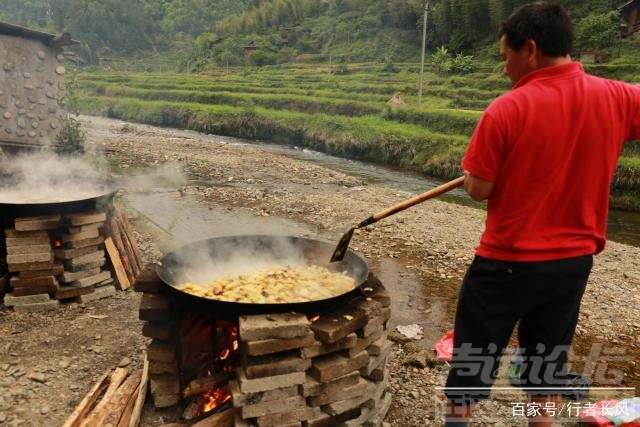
344,114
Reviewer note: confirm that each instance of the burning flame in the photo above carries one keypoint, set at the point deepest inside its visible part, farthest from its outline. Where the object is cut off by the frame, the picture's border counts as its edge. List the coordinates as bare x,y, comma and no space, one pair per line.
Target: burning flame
57,244
314,319
216,397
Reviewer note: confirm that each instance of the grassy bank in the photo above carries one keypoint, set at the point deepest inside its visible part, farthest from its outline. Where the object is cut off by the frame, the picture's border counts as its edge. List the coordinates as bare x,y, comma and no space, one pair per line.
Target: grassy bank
344,114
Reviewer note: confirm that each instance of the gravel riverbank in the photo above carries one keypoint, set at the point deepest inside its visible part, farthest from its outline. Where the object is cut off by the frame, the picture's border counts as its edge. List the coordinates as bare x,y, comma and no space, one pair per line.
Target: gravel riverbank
420,254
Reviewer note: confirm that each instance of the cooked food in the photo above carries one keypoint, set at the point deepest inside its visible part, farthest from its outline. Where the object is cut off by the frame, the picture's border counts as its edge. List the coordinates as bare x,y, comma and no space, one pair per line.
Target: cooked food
277,285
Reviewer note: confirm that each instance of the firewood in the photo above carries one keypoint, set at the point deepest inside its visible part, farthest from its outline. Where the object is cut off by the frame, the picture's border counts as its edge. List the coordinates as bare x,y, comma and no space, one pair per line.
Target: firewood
119,405
117,239
115,379
224,418
200,385
134,420
116,262
126,242
125,418
127,226
89,402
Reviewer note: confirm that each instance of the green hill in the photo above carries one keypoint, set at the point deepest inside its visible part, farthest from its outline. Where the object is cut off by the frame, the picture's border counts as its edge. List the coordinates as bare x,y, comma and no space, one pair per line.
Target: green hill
199,34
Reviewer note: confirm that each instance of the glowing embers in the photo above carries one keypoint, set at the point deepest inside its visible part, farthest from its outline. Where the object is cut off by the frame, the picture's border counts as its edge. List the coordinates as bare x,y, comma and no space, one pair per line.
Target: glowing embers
208,360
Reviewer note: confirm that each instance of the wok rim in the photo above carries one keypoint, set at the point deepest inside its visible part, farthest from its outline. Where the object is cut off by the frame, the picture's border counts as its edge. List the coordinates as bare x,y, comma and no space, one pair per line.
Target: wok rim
108,192
247,307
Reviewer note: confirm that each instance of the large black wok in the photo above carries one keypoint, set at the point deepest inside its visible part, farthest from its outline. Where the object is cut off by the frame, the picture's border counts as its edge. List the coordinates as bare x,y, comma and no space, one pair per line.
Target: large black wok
237,254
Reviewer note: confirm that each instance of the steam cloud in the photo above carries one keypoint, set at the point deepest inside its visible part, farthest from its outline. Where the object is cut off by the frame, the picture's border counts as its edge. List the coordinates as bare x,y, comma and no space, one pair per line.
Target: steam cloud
48,178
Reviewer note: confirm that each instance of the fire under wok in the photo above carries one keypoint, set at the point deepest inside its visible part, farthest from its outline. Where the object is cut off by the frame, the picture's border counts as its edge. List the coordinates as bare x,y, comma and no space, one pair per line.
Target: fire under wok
204,261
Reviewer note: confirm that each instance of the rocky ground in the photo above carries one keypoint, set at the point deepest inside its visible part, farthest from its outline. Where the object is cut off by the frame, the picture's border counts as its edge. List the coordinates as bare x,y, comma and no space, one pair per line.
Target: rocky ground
208,186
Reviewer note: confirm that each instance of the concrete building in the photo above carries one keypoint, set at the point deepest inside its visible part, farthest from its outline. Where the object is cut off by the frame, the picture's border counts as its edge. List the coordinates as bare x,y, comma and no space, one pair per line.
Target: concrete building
32,74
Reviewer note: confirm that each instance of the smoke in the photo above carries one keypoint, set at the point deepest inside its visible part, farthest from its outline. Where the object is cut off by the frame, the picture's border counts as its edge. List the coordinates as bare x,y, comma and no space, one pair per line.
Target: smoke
47,178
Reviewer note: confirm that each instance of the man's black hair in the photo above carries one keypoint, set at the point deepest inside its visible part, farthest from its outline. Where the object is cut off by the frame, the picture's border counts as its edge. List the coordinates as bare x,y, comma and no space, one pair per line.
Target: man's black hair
545,22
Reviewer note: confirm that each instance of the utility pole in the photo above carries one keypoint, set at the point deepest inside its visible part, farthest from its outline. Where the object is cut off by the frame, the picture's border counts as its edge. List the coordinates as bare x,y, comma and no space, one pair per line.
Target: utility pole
424,42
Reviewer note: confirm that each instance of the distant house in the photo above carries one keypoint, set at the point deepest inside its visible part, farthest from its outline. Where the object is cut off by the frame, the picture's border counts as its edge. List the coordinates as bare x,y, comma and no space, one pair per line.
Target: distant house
32,76
630,14
250,47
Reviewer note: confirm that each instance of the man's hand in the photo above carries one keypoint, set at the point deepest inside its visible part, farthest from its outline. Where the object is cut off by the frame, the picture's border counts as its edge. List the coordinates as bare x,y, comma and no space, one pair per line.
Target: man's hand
477,188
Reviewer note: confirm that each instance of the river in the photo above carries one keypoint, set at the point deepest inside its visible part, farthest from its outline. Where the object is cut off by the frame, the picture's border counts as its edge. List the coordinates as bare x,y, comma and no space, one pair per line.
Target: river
623,226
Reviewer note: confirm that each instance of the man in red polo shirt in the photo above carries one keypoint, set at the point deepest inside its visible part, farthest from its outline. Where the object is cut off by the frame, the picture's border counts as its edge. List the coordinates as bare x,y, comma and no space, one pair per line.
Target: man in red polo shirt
543,156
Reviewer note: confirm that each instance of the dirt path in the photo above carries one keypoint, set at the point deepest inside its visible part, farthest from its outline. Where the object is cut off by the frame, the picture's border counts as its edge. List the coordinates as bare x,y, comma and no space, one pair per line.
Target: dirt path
179,186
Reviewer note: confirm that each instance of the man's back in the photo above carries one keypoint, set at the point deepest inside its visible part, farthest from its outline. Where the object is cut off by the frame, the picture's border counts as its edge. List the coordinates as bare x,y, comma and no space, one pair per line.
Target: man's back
551,146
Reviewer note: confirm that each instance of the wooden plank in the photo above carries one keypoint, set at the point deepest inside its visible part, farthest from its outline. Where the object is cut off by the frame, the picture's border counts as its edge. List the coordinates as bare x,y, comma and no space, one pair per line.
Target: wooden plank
116,406
126,243
116,262
89,402
142,394
125,418
117,240
115,379
130,236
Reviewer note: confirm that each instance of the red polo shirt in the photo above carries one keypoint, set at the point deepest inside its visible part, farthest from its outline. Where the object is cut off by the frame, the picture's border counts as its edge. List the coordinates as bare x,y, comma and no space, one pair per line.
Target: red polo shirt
551,146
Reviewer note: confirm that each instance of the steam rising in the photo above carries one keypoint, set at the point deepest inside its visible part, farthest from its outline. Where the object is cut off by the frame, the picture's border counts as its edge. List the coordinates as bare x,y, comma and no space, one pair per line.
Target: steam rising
48,178
206,261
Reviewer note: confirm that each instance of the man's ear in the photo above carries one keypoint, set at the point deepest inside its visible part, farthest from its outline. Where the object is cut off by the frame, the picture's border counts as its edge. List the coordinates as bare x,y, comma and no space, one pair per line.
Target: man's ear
532,49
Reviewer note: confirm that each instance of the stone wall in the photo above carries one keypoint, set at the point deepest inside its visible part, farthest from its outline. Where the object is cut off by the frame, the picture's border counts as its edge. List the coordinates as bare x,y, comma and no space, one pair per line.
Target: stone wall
31,85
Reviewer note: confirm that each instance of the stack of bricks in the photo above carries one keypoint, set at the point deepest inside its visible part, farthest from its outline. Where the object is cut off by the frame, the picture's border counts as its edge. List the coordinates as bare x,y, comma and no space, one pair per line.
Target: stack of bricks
155,311
291,371
40,275
82,255
326,373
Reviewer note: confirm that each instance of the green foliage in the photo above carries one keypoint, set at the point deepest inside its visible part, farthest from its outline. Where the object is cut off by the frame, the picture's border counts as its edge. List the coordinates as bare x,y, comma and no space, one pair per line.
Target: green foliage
443,63
71,138
597,31
462,64
205,34
441,60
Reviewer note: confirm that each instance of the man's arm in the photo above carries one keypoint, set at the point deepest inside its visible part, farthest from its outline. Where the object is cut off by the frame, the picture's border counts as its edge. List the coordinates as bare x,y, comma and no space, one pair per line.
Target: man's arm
477,188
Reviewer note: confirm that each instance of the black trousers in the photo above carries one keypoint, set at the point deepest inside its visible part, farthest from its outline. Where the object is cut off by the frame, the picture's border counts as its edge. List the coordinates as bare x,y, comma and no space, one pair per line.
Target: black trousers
543,296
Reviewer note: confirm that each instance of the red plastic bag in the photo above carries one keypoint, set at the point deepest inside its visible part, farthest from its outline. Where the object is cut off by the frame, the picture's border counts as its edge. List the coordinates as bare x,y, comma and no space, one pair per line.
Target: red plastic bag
444,347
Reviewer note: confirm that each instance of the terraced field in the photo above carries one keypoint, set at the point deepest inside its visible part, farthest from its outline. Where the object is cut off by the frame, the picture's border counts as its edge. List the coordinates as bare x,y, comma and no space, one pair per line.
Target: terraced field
339,110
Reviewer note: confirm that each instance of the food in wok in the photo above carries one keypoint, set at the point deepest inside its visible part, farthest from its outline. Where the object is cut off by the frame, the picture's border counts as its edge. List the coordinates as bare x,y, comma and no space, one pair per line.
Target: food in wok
275,285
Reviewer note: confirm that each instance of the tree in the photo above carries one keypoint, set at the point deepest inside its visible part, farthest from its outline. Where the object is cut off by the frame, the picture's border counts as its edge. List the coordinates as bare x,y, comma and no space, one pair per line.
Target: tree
597,31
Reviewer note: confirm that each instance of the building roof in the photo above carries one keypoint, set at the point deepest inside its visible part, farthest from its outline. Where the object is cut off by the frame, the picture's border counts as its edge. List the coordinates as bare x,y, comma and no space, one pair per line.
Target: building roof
54,40
629,4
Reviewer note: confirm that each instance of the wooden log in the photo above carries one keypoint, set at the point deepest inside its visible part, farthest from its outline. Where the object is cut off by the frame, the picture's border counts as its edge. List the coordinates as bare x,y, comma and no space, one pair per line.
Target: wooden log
116,262
89,402
142,394
200,385
115,379
134,245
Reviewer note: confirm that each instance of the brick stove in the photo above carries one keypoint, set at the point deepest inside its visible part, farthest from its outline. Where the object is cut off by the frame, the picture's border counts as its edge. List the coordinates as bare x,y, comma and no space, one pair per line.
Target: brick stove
279,369
53,258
